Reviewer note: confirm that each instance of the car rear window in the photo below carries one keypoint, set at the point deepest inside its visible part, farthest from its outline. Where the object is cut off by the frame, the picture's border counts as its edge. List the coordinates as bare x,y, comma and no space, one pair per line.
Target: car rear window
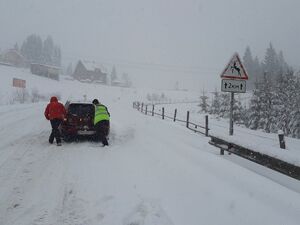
81,109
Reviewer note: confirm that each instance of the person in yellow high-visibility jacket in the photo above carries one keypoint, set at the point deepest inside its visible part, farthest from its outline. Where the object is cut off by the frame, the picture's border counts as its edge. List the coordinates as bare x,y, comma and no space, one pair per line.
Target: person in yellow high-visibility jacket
101,121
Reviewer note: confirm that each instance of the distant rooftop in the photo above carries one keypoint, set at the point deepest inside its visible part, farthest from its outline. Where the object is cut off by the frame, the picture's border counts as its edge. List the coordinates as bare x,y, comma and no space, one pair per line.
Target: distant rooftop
92,66
13,50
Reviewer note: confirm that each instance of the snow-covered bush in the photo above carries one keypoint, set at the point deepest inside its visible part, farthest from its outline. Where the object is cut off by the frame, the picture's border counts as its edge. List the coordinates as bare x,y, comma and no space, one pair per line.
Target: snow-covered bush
20,95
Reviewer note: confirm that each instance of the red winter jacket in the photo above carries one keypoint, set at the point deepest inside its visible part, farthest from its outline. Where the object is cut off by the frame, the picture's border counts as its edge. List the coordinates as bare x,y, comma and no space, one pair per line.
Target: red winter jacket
55,110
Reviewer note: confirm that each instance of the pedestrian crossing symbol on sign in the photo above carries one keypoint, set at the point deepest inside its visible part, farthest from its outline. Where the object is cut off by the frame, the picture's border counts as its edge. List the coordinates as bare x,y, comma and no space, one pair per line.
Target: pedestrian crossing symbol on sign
235,69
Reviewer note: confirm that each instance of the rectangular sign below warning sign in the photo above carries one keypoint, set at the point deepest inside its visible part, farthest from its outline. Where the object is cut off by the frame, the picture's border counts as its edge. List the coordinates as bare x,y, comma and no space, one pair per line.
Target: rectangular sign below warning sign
231,85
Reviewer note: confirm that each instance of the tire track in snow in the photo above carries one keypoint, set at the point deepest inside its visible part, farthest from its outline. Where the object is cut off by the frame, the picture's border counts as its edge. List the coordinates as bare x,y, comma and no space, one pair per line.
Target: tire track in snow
148,212
73,211
19,126
19,173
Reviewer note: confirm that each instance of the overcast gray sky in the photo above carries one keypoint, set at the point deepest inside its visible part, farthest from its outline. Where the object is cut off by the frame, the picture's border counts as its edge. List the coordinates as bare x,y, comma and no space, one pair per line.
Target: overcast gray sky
164,41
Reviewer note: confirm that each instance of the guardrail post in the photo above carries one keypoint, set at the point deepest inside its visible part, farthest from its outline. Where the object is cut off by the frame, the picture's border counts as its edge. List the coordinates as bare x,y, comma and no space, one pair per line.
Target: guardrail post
221,151
281,139
175,113
187,118
163,113
153,110
206,125
146,109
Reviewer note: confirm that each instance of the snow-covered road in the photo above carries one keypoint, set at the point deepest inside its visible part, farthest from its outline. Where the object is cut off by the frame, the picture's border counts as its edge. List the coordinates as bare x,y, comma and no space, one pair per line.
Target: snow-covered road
154,172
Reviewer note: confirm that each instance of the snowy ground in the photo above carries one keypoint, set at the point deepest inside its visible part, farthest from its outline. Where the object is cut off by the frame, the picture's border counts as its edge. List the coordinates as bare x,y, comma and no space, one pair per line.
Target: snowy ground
255,140
153,173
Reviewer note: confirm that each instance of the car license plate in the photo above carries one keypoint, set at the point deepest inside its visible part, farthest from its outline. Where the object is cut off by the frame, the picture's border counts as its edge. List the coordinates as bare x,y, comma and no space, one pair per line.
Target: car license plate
85,132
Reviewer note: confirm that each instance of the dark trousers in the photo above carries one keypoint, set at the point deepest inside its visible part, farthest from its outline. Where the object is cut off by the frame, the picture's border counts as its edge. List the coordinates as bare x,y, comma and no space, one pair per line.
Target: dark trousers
55,131
102,130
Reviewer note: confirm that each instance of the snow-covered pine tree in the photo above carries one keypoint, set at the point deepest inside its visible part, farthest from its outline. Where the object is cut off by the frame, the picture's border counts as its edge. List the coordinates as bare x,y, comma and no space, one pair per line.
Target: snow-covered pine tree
258,71
267,99
284,101
294,124
283,66
224,105
255,108
250,67
204,107
48,51
248,59
113,75
270,64
16,47
216,103
32,48
238,110
57,56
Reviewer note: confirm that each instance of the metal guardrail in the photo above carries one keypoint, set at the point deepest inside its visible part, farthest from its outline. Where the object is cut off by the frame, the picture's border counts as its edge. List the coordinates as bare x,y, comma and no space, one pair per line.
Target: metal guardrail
257,157
252,155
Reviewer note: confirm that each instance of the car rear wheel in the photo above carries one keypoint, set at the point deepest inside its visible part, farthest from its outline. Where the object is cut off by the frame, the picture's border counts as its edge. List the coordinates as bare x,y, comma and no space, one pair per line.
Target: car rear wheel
68,138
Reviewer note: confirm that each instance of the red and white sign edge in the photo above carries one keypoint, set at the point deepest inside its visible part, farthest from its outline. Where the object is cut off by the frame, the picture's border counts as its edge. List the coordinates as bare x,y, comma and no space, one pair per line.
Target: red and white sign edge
235,69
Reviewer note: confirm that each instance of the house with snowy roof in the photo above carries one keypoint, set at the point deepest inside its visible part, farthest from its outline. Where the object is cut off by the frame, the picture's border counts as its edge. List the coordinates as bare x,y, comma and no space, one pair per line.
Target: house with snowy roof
89,71
13,57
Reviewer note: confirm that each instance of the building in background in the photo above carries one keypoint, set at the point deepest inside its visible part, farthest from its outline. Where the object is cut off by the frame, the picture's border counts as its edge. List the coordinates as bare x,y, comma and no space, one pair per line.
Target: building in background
12,57
43,70
117,82
87,71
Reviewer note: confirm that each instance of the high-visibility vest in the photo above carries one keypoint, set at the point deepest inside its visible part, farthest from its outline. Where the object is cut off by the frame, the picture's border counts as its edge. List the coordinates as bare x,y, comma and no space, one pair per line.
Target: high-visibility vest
101,113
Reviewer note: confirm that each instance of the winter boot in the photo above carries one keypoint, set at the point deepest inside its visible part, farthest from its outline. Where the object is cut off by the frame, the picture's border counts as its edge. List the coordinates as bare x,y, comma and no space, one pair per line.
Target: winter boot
51,139
104,141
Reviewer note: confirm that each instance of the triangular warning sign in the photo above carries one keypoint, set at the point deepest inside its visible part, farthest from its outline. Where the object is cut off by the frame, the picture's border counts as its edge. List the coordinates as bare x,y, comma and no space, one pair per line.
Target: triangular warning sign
235,69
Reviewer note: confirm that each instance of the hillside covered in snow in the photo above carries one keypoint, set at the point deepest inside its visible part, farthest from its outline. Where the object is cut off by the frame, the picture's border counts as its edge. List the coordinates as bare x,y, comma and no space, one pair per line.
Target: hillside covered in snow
155,172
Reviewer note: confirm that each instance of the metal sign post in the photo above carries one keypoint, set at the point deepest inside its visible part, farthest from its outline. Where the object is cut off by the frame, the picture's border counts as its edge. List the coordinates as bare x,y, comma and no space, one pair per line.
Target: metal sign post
231,114
234,78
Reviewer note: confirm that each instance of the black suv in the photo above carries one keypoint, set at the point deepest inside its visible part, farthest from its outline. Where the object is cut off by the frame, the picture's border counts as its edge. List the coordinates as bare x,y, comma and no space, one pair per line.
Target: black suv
79,120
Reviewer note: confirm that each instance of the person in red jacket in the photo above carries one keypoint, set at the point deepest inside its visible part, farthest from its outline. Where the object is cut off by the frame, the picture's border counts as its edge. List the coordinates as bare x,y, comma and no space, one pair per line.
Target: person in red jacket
55,112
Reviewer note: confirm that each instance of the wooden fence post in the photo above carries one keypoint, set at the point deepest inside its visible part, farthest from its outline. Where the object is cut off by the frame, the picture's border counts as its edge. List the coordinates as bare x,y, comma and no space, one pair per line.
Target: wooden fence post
175,113
163,113
206,125
153,110
187,118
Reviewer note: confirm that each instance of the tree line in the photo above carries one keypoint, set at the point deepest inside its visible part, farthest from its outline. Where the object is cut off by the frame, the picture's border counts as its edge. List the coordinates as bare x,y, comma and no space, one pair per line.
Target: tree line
37,50
273,65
